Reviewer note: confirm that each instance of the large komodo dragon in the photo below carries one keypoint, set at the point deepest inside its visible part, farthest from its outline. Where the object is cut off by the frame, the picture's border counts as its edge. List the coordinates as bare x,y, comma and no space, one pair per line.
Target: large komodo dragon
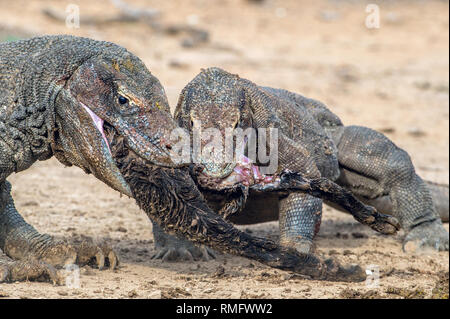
313,141
84,101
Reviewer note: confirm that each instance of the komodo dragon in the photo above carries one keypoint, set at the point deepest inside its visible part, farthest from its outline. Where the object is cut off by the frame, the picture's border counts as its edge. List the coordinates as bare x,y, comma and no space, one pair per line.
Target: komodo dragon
312,141
68,96
57,93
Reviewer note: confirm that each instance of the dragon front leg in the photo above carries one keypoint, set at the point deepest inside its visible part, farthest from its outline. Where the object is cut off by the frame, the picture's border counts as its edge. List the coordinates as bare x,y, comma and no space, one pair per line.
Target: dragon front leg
300,218
31,255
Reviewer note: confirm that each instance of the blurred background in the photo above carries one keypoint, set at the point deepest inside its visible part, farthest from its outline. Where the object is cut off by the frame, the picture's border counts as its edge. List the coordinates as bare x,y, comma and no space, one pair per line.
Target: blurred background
381,64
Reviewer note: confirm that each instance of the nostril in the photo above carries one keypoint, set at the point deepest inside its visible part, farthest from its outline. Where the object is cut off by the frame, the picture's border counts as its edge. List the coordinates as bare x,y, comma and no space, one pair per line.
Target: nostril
165,143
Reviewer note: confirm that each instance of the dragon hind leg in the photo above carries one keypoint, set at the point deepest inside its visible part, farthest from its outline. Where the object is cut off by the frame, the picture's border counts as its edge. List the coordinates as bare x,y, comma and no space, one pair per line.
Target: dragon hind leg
372,166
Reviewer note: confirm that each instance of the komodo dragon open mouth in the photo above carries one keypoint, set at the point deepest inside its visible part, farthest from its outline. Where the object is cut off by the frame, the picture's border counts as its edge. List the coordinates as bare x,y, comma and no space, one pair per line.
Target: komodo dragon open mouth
245,173
99,124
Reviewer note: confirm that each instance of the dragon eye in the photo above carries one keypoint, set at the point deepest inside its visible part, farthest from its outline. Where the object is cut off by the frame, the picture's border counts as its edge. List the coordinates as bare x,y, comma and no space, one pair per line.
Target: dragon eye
122,99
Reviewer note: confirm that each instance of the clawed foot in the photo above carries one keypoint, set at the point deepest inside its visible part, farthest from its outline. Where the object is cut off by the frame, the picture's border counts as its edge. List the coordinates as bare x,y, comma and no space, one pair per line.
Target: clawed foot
334,270
310,265
427,235
379,222
184,251
44,263
96,255
80,252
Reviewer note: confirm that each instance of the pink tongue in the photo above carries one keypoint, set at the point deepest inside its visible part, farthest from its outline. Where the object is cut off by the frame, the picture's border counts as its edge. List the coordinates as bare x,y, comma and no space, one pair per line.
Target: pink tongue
98,123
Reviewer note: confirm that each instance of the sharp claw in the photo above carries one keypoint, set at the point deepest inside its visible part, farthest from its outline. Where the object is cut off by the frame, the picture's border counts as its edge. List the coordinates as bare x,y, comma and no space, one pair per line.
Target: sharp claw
391,221
387,229
170,256
166,257
384,224
154,257
397,224
110,256
113,260
103,254
100,259
53,274
159,254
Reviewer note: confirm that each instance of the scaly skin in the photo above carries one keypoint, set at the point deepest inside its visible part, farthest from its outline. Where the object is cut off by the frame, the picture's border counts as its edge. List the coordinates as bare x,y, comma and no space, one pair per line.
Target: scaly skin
57,94
314,142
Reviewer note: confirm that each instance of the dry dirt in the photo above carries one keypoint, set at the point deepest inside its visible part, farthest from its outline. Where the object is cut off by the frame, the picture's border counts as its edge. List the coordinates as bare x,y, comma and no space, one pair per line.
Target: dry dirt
394,79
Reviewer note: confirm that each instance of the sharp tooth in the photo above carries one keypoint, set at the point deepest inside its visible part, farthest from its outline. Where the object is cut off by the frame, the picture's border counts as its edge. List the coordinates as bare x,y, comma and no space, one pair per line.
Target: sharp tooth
98,122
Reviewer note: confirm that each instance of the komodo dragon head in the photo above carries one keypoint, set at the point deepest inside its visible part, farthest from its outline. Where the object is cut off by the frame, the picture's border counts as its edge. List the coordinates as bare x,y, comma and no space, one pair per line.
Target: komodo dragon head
217,99
110,94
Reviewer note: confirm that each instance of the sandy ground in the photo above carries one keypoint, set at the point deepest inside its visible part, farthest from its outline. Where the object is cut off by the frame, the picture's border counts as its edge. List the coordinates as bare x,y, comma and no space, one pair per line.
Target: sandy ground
394,79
